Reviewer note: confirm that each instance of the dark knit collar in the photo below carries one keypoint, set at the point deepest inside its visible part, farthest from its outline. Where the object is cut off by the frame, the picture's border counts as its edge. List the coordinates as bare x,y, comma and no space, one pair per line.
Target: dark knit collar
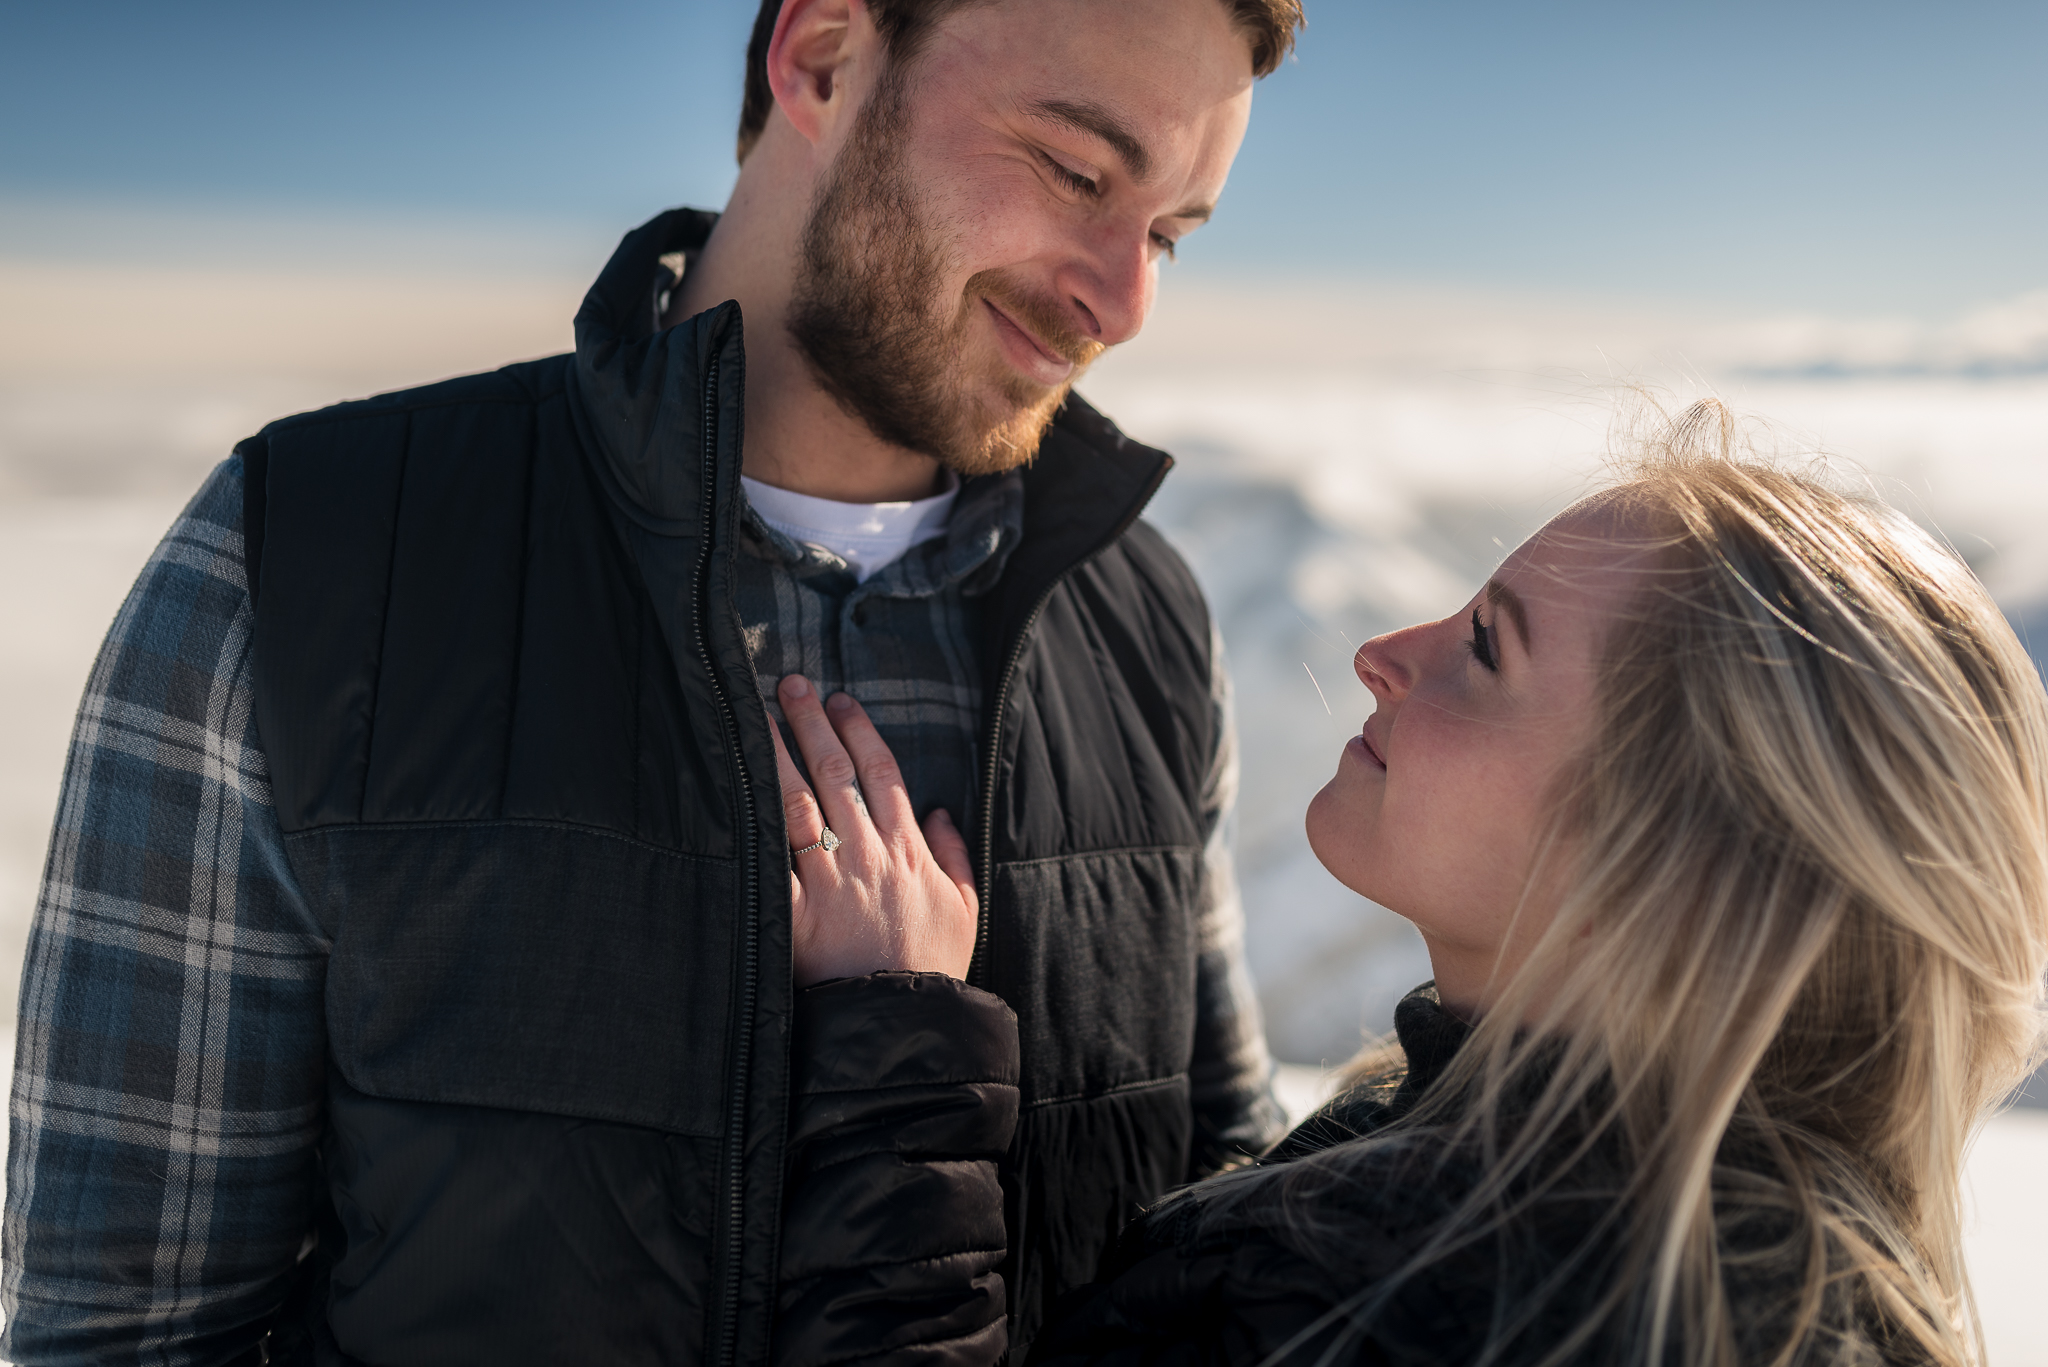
1430,1038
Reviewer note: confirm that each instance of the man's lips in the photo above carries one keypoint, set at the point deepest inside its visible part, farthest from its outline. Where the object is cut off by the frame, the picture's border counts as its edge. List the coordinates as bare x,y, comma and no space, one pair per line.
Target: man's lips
1026,352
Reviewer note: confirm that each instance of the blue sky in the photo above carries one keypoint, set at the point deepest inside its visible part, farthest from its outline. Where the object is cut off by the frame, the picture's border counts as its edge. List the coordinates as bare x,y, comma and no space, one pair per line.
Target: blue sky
1871,156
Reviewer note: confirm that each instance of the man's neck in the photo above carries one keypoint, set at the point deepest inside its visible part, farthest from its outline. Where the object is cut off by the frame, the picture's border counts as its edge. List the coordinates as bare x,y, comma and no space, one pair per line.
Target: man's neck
798,437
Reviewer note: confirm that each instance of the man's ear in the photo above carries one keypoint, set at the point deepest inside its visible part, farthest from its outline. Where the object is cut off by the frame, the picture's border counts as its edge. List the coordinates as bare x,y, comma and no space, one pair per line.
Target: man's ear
815,45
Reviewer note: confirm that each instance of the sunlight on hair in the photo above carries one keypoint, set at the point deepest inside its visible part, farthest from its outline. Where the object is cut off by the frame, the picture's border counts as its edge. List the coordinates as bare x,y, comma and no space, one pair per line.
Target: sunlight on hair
1801,954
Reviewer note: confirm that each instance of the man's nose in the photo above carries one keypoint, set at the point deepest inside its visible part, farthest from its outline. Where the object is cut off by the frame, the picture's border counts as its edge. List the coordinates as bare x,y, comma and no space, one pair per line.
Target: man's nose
1111,285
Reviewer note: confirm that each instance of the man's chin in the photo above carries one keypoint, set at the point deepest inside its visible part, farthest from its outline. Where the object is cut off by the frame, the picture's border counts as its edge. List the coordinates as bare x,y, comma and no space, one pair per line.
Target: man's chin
1011,443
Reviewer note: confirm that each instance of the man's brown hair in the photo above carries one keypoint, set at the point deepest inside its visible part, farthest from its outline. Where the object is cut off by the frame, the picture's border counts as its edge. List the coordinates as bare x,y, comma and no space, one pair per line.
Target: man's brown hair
1270,24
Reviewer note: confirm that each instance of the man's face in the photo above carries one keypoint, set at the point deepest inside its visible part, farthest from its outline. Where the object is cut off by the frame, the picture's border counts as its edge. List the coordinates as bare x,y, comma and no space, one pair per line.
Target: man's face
997,214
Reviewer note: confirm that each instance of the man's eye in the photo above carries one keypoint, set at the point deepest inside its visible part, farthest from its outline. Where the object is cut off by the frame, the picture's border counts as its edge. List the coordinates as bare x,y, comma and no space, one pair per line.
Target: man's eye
1071,178
1165,244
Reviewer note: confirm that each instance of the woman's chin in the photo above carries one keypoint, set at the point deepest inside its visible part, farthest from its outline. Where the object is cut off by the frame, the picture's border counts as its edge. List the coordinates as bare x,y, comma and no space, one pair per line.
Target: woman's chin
1334,837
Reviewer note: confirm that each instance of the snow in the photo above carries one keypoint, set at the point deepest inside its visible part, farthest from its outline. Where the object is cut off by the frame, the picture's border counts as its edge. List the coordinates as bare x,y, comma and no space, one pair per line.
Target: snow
1350,459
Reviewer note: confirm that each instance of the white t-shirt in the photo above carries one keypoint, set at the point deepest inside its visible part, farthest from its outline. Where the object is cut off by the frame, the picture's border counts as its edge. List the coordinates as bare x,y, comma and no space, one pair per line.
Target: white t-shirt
869,537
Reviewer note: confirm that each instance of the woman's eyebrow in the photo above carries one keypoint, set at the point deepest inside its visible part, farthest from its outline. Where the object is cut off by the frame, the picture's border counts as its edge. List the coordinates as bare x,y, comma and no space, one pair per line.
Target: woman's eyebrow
1505,598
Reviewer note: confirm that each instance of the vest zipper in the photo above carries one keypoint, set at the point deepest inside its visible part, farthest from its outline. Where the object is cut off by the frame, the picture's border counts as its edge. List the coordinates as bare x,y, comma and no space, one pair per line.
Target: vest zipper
977,966
726,1334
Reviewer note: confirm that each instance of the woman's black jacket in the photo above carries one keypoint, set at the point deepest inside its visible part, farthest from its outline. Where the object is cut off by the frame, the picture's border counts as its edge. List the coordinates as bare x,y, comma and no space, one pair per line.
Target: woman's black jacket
905,1094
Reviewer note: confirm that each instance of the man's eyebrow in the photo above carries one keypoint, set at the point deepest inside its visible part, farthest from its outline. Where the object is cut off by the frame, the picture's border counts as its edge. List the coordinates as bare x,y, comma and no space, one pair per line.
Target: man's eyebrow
1505,598
1094,120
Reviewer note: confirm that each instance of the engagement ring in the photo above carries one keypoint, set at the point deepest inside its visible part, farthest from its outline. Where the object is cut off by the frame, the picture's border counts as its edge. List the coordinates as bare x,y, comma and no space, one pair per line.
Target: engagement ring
827,842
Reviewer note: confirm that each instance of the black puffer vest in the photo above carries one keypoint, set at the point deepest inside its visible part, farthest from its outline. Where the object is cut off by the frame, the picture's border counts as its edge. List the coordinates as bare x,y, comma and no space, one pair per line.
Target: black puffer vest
526,782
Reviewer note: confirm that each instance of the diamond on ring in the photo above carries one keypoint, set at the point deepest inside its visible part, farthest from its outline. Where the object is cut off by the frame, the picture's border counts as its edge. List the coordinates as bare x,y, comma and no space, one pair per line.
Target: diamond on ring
827,842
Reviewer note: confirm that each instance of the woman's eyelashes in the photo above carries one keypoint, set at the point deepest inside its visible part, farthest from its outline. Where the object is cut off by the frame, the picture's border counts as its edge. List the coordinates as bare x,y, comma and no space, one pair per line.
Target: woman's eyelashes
1481,645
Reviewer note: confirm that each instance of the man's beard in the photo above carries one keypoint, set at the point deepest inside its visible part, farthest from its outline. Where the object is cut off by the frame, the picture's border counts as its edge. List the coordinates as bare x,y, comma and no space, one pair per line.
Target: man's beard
884,346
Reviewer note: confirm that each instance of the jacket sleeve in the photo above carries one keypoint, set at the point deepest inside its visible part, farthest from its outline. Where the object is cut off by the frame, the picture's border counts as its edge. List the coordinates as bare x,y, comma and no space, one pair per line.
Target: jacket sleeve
904,1100
1252,1304
1176,1294
1230,1077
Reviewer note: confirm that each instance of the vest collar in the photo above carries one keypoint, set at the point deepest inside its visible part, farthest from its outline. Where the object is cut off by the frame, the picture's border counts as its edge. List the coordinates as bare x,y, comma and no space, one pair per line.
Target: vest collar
640,395
639,390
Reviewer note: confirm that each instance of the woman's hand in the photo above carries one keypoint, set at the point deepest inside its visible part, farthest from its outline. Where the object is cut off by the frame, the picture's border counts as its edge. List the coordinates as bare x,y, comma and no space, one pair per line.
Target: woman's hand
889,896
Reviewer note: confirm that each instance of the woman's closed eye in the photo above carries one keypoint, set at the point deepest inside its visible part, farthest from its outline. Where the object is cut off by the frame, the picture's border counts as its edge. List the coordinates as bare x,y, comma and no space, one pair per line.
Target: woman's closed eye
1481,645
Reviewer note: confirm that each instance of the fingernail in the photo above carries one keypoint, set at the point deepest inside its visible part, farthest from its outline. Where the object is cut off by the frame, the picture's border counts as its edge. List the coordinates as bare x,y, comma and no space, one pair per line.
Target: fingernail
796,685
841,702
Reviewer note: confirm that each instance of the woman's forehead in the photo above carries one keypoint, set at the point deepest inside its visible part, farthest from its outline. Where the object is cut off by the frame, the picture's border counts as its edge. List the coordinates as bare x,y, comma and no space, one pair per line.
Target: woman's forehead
1578,569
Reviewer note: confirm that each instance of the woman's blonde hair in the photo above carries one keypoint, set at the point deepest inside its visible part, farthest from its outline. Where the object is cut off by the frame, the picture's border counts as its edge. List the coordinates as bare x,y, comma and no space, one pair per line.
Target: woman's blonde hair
1801,951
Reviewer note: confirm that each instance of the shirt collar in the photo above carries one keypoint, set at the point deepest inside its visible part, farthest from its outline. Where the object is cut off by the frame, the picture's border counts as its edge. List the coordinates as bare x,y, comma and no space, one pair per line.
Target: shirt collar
986,523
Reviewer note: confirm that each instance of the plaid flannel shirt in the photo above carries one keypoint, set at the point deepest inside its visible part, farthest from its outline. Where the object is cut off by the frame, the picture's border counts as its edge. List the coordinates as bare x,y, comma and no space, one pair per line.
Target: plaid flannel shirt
170,1070
903,642
172,1045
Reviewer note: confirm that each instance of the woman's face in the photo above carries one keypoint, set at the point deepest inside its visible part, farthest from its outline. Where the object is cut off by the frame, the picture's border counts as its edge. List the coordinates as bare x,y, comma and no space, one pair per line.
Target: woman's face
1438,804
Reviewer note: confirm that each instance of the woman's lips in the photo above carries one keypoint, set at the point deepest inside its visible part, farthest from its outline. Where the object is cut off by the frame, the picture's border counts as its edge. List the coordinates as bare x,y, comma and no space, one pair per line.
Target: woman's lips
1027,353
1367,750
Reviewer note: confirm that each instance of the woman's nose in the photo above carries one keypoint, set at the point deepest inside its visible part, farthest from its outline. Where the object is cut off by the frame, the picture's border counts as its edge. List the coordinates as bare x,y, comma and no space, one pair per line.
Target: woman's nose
1386,664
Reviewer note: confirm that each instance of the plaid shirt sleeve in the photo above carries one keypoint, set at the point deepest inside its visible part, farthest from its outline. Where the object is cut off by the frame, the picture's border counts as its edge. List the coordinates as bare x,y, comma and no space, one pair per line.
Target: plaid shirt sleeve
1236,1113
171,1049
